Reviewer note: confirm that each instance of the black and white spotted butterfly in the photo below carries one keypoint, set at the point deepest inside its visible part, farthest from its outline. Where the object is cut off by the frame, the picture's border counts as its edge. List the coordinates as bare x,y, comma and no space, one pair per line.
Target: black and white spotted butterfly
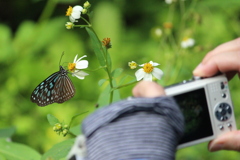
57,88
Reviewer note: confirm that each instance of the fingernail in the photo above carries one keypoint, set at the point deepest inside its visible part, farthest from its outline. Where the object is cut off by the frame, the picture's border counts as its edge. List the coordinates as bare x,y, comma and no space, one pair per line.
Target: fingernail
198,71
215,147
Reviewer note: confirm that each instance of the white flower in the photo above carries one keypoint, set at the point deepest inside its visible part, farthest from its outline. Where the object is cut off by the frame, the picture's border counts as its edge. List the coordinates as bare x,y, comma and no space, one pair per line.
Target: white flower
148,71
168,1
74,13
76,67
187,42
171,1
79,74
158,32
80,64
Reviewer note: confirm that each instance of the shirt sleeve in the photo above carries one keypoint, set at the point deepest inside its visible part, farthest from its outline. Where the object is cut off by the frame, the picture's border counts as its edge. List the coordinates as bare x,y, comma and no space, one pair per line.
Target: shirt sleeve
134,129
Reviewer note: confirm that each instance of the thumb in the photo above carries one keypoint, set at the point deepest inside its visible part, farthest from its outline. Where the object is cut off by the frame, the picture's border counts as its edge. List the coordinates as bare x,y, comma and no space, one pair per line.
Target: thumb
219,63
148,89
227,141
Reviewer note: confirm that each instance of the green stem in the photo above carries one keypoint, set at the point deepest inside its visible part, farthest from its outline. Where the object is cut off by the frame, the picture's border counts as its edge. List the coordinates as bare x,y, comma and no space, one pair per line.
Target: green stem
108,69
106,58
75,117
111,85
95,69
124,85
71,134
81,26
89,24
171,13
48,10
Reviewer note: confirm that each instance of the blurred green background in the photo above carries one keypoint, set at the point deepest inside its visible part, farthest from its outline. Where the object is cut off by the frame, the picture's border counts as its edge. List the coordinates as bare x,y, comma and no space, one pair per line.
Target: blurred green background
33,37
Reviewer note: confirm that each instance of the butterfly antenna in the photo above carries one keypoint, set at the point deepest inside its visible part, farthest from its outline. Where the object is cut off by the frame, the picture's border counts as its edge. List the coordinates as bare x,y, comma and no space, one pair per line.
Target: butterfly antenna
61,58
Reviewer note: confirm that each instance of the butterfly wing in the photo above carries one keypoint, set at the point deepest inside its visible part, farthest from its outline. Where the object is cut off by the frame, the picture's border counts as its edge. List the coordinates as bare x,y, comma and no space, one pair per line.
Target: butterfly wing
56,88
63,89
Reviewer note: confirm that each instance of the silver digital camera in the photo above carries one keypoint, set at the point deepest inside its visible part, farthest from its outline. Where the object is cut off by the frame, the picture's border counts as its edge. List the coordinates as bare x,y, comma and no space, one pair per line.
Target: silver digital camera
207,108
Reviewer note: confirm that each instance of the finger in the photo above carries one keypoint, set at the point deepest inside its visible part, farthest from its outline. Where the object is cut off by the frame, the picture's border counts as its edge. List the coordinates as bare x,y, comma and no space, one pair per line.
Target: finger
228,141
148,89
231,46
224,62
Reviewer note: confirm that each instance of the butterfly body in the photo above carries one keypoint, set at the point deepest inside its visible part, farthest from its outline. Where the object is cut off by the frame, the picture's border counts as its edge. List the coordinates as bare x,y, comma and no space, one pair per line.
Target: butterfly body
57,88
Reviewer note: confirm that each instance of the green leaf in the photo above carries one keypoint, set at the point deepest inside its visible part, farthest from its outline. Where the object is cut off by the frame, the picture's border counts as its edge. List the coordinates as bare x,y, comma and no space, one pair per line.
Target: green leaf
59,150
103,99
2,157
122,80
16,151
52,119
7,132
101,81
117,72
129,79
76,130
97,47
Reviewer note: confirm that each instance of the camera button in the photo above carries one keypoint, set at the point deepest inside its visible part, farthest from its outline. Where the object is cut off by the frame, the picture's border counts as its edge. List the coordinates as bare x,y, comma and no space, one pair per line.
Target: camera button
222,85
196,78
225,118
221,127
223,112
224,95
229,125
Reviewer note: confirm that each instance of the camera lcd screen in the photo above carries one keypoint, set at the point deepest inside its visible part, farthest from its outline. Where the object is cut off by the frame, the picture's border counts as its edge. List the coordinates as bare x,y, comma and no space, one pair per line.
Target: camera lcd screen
197,119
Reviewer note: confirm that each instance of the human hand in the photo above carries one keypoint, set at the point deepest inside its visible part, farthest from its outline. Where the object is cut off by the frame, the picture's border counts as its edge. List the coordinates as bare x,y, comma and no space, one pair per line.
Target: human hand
225,59
148,89
227,141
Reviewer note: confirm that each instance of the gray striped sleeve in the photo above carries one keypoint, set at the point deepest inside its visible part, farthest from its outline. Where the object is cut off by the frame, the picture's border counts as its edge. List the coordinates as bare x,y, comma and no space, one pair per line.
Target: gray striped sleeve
134,129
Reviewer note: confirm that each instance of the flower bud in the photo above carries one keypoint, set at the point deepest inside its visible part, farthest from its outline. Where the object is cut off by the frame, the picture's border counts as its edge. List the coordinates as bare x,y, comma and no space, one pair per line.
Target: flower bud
86,5
107,43
58,126
132,65
65,126
65,132
168,25
156,32
54,128
84,11
69,25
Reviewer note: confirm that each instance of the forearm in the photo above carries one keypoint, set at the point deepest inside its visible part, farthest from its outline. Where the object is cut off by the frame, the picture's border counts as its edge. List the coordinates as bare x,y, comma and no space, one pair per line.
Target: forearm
139,128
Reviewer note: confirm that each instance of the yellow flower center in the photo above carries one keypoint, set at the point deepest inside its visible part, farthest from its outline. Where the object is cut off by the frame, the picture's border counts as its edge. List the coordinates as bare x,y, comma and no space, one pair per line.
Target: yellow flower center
69,11
168,25
185,39
148,68
71,67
